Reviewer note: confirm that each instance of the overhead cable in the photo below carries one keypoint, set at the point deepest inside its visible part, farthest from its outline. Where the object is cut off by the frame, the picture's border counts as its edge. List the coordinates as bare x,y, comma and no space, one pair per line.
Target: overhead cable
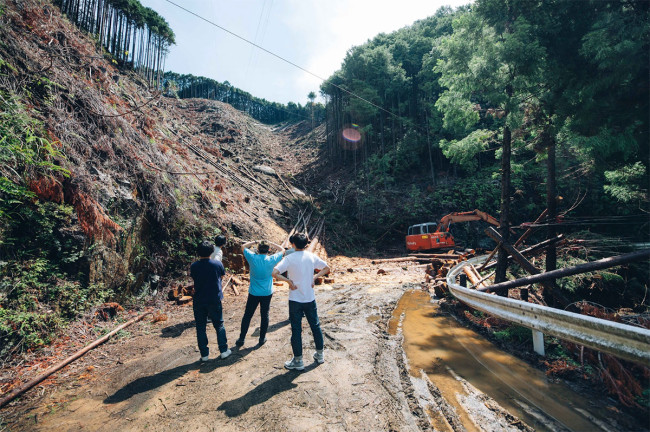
282,58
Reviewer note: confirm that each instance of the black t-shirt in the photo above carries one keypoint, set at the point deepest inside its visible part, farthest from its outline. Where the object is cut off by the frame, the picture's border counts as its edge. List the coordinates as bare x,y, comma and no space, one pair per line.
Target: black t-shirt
207,275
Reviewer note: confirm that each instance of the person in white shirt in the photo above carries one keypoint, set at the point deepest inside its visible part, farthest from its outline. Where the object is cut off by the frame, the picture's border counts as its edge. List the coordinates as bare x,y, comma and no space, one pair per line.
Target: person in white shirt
300,267
219,242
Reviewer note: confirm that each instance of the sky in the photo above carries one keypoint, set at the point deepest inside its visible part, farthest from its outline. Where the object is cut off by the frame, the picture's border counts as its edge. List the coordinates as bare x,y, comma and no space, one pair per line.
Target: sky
312,34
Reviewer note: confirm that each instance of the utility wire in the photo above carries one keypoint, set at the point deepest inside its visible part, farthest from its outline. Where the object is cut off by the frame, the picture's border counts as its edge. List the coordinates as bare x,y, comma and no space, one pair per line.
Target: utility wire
283,59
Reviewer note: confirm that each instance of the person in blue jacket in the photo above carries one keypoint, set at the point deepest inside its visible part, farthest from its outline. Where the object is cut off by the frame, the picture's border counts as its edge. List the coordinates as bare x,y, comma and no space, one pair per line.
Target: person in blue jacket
208,294
260,290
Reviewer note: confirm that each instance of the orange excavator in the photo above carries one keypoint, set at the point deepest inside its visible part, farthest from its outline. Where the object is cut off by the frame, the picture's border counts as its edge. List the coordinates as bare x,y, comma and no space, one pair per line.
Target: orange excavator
431,235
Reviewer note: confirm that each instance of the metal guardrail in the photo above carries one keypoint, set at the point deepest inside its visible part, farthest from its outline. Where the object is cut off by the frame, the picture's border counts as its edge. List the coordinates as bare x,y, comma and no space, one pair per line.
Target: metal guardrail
621,340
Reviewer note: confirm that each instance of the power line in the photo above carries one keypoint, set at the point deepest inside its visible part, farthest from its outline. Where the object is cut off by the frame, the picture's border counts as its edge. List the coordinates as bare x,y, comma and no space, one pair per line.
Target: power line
283,59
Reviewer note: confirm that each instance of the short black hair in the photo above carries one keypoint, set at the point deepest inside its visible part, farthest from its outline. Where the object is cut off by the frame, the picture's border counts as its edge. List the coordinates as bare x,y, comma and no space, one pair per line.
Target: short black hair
204,249
220,240
263,247
300,240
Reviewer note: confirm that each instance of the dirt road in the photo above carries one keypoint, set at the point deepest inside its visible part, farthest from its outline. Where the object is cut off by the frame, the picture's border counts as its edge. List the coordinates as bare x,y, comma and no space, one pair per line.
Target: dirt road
153,380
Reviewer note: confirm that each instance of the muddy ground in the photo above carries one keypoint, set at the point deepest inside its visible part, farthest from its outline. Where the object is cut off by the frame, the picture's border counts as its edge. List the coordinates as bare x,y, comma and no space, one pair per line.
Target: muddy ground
151,379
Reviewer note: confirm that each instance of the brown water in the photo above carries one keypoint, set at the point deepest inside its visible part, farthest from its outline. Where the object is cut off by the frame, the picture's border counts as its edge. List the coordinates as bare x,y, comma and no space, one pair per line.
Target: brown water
435,343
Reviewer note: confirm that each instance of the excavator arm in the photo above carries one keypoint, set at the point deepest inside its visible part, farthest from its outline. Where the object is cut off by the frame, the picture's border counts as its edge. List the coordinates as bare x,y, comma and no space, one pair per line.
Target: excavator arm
473,215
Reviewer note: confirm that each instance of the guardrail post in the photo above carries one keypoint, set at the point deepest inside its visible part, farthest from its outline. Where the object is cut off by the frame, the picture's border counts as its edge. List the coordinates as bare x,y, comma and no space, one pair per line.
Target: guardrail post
463,280
524,294
538,342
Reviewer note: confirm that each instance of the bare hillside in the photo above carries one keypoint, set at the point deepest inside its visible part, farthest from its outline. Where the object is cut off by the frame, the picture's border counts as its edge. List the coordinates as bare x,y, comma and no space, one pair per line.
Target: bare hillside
144,168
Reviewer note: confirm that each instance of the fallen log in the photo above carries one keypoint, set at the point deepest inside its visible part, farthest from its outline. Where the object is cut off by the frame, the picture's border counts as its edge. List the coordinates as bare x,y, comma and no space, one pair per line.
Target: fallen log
401,259
527,251
569,271
28,385
436,256
473,276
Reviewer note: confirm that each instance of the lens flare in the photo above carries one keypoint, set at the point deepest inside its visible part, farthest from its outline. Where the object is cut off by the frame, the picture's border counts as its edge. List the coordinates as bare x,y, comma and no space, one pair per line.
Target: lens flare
351,135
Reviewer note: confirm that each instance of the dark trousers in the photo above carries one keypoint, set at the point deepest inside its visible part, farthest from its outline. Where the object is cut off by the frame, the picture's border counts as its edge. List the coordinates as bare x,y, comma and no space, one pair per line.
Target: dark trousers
251,306
296,312
201,313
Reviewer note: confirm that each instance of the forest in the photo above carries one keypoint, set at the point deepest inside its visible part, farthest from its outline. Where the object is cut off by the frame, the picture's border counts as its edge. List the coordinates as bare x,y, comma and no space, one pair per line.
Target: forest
510,110
135,36
190,86
510,107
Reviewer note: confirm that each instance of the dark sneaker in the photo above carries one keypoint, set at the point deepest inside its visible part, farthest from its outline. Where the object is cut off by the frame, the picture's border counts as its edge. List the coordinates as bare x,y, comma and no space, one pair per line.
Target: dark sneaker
239,343
262,341
294,364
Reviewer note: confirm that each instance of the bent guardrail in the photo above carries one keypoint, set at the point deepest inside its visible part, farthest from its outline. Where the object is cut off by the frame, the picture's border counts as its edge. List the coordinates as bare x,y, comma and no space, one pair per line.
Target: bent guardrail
622,340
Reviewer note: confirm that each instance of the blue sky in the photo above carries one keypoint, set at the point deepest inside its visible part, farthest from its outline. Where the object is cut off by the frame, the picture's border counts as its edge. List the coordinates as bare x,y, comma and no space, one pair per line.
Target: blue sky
312,34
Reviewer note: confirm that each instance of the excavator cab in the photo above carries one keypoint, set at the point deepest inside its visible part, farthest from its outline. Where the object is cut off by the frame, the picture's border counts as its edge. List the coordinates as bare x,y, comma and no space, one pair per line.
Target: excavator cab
425,236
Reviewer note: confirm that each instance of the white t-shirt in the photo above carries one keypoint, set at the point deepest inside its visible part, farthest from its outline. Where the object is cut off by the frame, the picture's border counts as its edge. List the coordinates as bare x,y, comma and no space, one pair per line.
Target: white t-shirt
217,254
300,266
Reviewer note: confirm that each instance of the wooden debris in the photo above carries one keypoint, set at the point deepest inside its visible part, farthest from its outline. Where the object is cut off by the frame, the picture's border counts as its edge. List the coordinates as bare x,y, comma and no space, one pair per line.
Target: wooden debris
184,300
22,389
108,311
179,291
158,317
401,259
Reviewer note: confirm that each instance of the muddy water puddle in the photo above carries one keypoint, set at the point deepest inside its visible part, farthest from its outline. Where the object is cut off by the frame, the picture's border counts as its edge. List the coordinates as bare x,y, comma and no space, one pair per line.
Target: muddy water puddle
439,345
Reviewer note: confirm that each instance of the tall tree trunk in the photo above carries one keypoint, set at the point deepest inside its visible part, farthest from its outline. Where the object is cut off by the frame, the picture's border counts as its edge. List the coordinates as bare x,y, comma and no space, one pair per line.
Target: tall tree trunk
551,206
504,221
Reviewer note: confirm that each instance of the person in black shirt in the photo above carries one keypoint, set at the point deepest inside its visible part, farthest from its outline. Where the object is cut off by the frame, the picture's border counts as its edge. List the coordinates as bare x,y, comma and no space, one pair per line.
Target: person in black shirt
207,274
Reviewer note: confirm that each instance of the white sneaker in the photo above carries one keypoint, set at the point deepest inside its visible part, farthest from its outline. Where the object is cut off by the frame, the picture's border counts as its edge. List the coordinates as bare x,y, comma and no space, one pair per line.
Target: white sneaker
318,356
225,354
294,364
205,358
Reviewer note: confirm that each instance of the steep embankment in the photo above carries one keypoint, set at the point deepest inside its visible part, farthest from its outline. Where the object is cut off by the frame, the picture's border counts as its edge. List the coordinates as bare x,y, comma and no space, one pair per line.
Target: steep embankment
129,182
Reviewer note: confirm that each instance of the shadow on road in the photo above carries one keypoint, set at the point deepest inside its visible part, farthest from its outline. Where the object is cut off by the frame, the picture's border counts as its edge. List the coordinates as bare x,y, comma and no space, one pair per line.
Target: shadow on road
176,330
263,392
272,327
147,383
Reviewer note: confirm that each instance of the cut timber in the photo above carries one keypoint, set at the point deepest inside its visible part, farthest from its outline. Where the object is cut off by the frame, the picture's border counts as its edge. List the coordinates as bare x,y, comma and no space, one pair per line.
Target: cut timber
22,389
436,256
183,300
386,260
285,184
473,275
173,294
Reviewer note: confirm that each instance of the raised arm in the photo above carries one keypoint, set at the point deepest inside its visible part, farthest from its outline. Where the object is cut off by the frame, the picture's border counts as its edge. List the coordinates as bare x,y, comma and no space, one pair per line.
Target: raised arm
248,244
277,247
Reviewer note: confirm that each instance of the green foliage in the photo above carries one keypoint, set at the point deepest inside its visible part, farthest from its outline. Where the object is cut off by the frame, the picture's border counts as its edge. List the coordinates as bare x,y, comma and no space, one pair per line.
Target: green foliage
42,282
625,183
514,333
24,153
463,152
